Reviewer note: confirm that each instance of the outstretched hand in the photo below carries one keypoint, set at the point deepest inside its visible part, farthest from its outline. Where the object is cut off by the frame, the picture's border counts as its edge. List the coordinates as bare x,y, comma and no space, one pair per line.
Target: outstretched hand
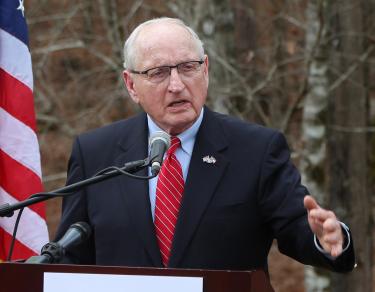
325,226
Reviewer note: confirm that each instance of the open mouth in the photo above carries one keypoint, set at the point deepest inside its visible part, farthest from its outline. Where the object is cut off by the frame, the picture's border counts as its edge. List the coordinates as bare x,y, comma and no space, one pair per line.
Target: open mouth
178,103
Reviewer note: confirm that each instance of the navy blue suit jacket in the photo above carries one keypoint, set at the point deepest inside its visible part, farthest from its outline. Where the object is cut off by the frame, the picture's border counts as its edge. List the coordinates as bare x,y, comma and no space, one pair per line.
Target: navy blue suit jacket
230,213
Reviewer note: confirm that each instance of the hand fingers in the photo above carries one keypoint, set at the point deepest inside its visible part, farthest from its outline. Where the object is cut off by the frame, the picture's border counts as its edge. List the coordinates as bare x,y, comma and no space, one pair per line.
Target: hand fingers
332,237
331,225
310,203
321,215
333,249
325,226
336,250
323,221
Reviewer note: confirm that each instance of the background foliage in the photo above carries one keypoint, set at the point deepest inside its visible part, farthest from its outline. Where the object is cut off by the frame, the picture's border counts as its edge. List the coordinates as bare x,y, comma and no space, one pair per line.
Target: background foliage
303,67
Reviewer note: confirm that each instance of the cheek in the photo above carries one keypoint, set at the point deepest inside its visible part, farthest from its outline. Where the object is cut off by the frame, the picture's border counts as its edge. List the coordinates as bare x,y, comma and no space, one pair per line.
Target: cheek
152,103
200,93
147,97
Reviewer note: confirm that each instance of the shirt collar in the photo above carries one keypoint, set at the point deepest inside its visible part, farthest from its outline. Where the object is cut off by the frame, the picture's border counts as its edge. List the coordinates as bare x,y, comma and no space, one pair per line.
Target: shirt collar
187,137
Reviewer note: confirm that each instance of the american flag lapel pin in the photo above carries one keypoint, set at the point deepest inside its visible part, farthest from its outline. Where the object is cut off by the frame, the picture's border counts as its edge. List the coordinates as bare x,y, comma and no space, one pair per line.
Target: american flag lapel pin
209,159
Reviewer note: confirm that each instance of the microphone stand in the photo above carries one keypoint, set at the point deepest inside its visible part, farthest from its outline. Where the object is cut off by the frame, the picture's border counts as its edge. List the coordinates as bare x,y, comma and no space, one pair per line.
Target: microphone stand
7,210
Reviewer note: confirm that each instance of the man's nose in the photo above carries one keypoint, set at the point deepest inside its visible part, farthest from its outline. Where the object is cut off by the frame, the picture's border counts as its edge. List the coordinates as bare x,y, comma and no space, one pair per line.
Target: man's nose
175,82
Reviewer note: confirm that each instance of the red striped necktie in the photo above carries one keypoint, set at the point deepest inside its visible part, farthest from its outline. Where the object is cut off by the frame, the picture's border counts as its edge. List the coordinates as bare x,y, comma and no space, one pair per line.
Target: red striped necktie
169,190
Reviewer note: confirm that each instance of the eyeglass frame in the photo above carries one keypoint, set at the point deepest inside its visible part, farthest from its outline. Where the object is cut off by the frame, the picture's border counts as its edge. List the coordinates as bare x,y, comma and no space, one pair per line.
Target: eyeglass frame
144,72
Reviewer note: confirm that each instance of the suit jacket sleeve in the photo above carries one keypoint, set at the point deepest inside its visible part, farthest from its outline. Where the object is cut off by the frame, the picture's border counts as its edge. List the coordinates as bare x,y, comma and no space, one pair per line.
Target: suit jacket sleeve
74,207
281,199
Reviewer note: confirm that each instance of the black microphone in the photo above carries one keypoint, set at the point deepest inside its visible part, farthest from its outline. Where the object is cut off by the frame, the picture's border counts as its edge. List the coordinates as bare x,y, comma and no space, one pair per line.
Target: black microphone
52,252
159,143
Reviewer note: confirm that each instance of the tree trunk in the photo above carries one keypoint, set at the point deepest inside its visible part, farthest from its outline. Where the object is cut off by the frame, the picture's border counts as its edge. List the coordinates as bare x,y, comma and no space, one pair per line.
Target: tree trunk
313,123
347,142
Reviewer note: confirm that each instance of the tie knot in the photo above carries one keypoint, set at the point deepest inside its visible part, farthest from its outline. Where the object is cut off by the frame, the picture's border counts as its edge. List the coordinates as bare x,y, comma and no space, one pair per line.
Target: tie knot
175,143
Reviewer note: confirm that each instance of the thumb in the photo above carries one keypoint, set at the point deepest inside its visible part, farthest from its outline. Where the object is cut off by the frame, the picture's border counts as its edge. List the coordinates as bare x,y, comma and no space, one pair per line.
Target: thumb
310,203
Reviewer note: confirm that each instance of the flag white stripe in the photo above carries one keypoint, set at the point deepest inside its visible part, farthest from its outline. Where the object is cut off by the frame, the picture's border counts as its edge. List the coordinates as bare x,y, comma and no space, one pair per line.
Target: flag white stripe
32,228
15,58
19,142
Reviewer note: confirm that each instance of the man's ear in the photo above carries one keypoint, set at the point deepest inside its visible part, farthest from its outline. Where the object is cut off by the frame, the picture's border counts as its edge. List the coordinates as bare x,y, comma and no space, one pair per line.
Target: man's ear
205,64
129,82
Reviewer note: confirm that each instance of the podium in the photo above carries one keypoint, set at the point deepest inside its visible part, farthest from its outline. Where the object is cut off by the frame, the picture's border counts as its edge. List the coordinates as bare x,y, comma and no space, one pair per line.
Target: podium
21,277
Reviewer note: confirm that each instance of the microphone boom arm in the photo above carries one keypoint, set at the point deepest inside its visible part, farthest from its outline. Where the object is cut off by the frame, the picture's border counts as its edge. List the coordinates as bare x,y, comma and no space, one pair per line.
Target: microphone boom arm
7,210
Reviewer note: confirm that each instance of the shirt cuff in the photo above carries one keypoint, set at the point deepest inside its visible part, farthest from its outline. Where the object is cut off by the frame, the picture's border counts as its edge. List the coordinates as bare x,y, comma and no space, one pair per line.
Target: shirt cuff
346,240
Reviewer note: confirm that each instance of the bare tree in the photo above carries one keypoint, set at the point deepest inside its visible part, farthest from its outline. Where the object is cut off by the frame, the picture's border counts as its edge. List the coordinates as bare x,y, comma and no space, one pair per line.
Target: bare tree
314,122
280,63
347,137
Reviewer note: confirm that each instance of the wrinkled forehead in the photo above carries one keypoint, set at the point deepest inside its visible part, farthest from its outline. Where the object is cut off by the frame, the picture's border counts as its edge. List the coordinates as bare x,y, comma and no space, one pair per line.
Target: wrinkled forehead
159,31
164,38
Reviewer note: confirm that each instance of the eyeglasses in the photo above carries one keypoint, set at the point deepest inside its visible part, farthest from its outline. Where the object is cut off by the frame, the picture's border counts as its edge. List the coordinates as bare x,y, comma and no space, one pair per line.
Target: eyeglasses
159,74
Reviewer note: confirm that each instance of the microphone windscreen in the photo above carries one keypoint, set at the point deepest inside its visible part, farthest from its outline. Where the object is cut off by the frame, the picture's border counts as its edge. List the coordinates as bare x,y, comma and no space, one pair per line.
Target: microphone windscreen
160,135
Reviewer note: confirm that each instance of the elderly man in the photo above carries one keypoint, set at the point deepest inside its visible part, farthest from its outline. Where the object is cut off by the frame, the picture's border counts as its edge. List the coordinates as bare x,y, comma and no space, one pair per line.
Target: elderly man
226,188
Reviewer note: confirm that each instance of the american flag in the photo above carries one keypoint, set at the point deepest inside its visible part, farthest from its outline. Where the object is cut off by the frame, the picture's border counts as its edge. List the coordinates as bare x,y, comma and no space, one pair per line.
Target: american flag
20,170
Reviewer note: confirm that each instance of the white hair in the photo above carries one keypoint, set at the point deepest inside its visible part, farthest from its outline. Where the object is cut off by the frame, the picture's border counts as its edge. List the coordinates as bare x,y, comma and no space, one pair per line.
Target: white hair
129,47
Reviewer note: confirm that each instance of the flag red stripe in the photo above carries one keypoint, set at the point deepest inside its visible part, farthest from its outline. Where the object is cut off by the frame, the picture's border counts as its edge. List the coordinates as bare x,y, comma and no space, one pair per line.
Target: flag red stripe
20,251
19,154
19,181
17,99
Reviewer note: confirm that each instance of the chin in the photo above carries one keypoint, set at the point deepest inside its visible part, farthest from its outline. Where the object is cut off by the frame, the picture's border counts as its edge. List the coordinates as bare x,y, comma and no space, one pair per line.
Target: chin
179,126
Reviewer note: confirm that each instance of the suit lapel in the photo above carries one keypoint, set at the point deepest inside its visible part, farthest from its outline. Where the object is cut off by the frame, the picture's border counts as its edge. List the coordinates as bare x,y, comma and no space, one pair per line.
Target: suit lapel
201,182
135,192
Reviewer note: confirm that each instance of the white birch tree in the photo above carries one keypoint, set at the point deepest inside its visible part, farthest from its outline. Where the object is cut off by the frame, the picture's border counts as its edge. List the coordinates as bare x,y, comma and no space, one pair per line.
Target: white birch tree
313,122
